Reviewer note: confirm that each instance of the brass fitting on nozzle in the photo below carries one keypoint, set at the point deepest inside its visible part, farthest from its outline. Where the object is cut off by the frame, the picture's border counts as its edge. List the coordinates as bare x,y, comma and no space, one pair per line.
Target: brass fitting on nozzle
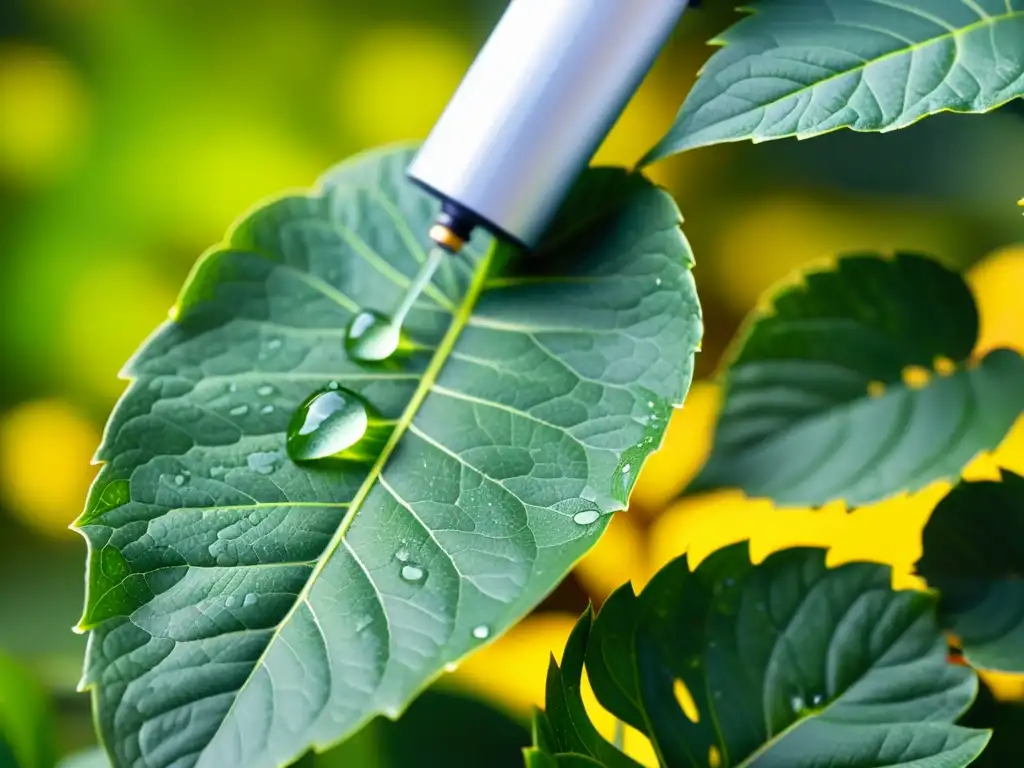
446,238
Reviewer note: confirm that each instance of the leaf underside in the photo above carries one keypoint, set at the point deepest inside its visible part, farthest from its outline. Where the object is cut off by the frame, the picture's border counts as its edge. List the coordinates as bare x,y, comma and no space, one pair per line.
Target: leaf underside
787,664
973,549
799,424
799,68
242,607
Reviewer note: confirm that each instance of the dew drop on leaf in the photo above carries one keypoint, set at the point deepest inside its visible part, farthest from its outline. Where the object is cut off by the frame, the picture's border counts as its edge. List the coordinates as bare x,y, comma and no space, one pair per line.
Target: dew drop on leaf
327,424
817,700
267,409
798,705
450,667
179,479
481,632
263,462
232,387
413,573
249,600
239,410
265,391
402,555
230,601
586,517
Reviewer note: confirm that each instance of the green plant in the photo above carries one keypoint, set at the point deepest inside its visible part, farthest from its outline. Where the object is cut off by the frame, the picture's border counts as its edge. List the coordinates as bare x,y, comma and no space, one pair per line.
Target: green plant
243,609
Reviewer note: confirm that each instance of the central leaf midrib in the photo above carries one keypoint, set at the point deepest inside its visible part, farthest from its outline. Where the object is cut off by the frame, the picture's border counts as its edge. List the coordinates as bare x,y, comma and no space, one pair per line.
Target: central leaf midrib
952,33
444,349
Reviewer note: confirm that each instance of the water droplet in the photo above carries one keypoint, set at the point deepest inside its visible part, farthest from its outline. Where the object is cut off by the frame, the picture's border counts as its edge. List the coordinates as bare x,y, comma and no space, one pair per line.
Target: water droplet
327,424
333,385
239,410
265,391
657,281
625,469
263,462
267,409
650,403
371,337
586,517
481,632
179,479
230,601
797,704
450,667
250,599
413,573
817,700
274,344
402,555
232,387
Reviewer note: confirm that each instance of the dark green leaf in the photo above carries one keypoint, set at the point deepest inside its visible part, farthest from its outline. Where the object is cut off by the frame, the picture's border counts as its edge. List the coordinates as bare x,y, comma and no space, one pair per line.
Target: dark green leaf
789,664
805,67
974,555
26,722
798,423
244,608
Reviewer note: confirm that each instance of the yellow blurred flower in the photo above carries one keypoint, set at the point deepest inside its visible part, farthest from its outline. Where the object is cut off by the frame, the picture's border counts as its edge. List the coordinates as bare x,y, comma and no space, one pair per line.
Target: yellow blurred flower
110,310
996,282
393,83
45,452
511,673
686,447
620,556
44,110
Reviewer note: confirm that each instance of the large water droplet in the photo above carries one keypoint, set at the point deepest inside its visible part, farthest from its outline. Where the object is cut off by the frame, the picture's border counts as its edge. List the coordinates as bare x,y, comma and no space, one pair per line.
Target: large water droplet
371,337
586,517
413,573
250,600
331,423
481,632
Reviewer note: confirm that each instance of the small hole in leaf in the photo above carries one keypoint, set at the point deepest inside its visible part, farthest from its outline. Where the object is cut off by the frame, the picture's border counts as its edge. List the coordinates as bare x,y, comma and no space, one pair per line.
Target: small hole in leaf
685,701
916,377
944,366
876,388
714,757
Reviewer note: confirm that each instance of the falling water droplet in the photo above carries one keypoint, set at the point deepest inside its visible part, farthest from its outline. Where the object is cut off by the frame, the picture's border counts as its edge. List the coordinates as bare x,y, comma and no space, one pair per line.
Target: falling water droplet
372,337
239,410
413,573
481,632
263,462
250,600
586,517
265,391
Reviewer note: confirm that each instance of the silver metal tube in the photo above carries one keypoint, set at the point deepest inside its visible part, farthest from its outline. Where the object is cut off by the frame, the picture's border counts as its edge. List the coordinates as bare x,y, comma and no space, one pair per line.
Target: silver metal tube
545,90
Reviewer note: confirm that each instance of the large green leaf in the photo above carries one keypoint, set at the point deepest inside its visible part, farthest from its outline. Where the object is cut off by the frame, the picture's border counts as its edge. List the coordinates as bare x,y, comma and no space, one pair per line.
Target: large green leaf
805,67
974,555
26,721
800,423
787,664
243,607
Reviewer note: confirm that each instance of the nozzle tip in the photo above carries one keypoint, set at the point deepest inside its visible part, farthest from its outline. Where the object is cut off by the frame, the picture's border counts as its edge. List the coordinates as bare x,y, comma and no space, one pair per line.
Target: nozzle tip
446,238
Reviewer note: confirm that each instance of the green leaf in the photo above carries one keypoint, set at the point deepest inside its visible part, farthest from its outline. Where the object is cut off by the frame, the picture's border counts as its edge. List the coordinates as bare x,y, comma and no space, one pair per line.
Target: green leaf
787,664
1005,719
806,67
244,608
26,721
974,555
799,421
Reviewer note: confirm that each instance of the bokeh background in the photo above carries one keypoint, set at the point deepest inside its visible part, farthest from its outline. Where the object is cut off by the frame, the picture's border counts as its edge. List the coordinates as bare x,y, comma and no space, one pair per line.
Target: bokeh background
133,133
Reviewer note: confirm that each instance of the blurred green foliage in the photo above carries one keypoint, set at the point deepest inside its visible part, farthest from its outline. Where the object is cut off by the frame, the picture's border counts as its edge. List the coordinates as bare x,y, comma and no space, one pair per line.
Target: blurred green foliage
133,133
